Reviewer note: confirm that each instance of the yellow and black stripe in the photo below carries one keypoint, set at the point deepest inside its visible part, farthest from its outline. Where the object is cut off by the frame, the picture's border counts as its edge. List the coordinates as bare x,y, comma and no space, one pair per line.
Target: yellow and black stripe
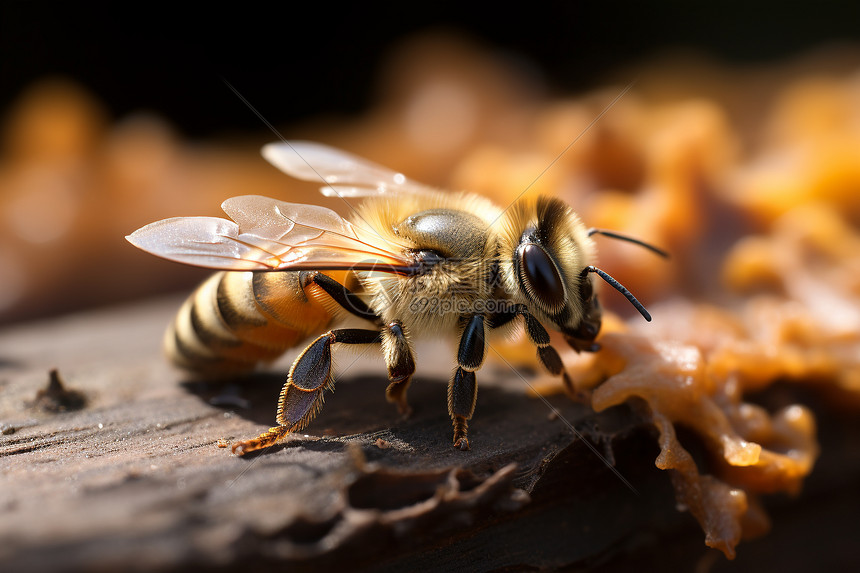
236,320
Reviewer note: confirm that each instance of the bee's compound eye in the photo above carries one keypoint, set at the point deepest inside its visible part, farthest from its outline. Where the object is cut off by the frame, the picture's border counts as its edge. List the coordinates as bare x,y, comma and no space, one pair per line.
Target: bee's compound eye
541,276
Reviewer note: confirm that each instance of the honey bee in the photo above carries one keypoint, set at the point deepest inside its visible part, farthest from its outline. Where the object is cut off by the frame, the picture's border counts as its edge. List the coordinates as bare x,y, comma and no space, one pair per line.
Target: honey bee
412,261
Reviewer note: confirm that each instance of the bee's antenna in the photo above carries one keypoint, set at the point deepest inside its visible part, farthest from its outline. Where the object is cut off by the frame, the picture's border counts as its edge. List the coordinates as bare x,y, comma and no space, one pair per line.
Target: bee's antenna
619,287
620,237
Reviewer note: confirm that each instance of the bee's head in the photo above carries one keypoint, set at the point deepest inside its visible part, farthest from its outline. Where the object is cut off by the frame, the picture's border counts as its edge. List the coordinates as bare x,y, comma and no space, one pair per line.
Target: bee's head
546,257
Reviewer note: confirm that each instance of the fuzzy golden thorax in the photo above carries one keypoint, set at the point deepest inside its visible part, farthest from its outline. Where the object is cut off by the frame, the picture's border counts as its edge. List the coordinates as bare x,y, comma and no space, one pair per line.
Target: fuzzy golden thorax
453,233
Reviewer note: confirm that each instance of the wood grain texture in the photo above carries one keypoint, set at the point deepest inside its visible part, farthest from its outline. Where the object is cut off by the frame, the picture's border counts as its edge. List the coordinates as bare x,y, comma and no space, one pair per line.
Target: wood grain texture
134,480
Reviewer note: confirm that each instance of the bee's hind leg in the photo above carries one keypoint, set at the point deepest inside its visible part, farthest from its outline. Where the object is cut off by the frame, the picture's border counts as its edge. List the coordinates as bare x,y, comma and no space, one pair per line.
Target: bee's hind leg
401,365
302,396
344,297
395,345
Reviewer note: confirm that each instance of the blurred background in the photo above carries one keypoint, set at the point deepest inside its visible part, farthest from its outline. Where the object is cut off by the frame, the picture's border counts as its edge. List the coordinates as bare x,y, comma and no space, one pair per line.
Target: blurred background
112,117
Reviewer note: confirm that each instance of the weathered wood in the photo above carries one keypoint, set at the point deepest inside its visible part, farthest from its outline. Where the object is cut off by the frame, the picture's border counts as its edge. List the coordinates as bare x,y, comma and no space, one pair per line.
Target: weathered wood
134,479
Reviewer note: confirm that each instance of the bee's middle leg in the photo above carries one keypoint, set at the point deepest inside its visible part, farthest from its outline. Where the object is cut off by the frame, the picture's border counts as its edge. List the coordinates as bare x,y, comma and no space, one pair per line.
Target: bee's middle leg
463,387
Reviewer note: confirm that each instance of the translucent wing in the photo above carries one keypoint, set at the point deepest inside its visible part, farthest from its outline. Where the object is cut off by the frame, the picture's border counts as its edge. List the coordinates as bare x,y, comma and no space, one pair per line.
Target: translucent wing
344,174
265,235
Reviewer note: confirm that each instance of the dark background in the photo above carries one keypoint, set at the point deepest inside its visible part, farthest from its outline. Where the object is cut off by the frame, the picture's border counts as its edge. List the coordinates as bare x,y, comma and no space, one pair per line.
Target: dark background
302,62
296,60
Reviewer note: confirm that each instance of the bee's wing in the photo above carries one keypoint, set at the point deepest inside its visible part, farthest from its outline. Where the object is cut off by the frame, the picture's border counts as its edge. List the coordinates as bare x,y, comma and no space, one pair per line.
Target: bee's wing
344,174
267,235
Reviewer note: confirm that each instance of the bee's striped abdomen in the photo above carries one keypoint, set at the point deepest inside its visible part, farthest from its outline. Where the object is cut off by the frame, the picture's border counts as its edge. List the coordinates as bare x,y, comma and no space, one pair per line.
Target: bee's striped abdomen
235,320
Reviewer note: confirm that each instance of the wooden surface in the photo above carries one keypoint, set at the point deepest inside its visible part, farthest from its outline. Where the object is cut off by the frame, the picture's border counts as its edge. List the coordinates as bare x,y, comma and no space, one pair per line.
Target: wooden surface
131,477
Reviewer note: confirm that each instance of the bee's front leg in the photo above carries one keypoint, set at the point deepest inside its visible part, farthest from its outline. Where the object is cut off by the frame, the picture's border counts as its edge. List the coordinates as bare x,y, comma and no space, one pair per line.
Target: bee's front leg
302,396
463,387
537,334
547,355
